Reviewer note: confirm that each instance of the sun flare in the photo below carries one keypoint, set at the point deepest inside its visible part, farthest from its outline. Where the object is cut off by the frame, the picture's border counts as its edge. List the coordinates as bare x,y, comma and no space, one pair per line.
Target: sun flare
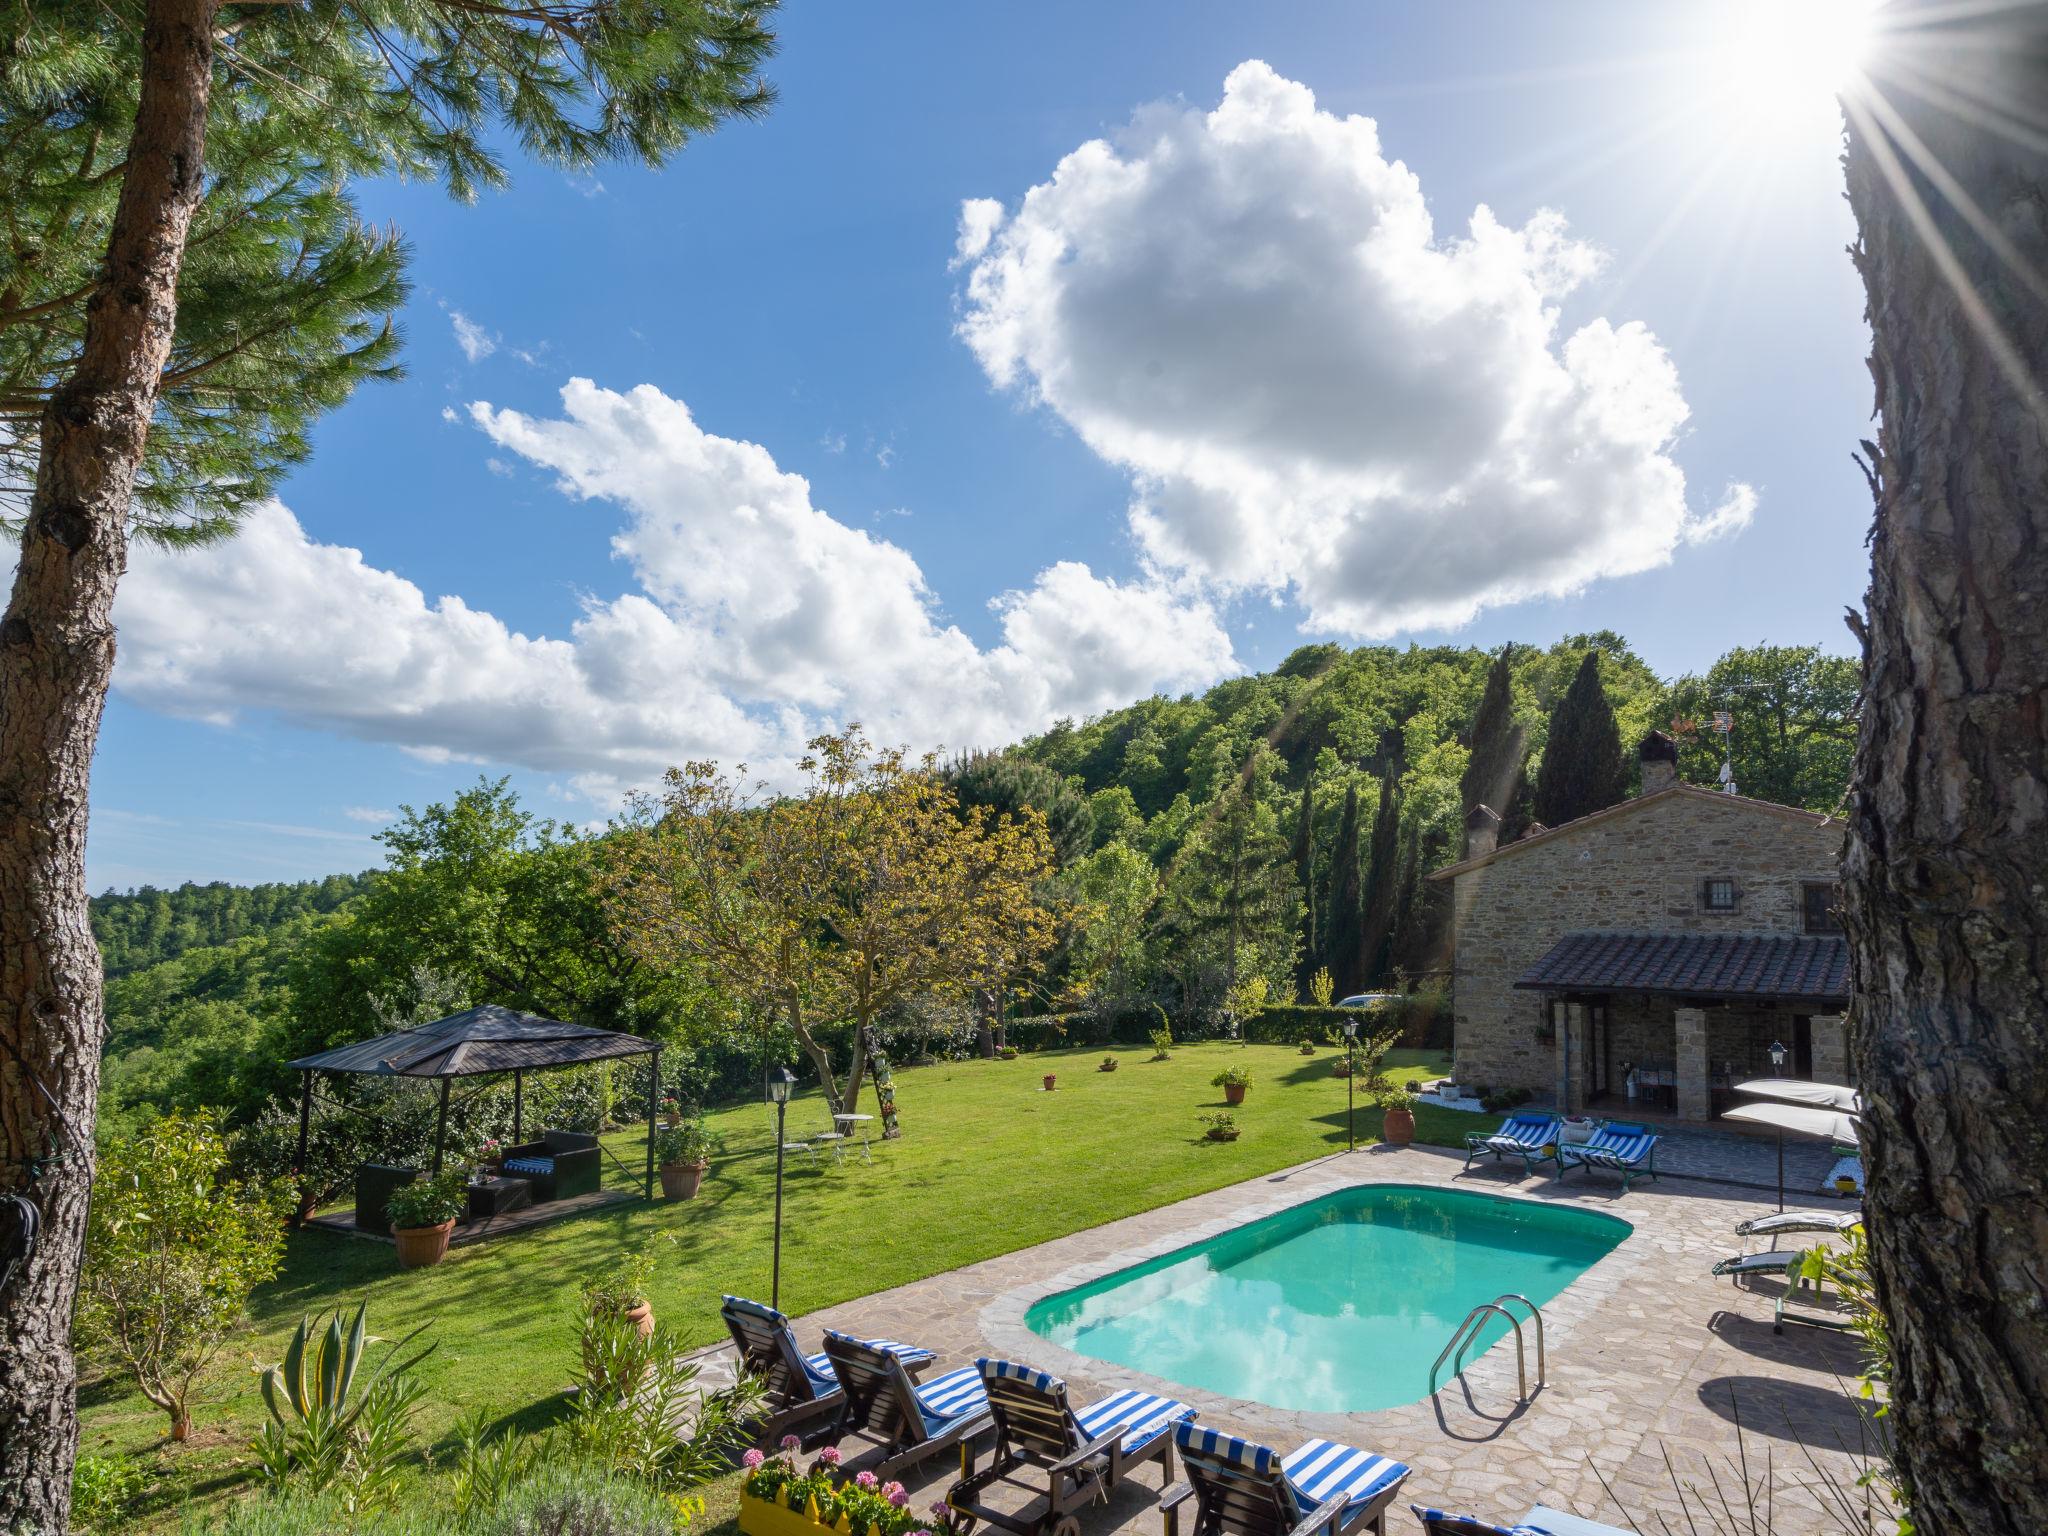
1781,63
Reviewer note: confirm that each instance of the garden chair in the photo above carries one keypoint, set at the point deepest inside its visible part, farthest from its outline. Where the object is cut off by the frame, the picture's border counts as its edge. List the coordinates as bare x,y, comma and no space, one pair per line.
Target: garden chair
1241,1488
797,1388
908,1422
1833,1223
1084,1453
1532,1138
1629,1150
1787,1264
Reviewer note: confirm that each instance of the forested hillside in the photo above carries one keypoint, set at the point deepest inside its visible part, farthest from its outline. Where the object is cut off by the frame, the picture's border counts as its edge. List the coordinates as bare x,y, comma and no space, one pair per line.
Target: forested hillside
141,927
1212,848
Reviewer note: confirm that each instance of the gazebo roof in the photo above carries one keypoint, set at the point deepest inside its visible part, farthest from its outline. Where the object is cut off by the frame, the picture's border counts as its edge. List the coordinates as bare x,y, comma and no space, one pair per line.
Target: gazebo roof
470,1044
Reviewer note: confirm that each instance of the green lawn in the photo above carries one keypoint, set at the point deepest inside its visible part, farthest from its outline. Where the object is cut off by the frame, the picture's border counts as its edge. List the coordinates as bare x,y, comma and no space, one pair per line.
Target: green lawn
988,1163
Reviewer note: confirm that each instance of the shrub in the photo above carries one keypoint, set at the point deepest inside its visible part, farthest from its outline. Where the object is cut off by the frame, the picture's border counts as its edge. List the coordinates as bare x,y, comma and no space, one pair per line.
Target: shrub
172,1252
1222,1127
427,1202
331,1430
1321,989
568,1500
1231,1077
268,1515
620,1286
639,1410
688,1142
102,1488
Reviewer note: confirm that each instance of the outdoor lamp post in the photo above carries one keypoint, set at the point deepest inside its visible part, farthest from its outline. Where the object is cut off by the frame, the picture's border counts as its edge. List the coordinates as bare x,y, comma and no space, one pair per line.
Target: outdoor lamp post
1351,1084
1777,1058
780,1081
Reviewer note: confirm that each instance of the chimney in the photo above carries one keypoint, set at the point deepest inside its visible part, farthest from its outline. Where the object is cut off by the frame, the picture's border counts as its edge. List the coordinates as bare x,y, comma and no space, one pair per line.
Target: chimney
1659,756
1482,832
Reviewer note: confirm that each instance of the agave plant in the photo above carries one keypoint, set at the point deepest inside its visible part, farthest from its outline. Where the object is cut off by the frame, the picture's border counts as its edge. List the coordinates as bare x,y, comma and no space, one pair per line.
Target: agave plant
330,1431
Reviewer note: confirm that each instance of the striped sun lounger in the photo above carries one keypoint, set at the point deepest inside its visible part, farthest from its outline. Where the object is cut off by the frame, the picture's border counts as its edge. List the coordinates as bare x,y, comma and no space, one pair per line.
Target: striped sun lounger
1836,1222
796,1387
1532,1138
1084,1453
1629,1150
1242,1488
882,1404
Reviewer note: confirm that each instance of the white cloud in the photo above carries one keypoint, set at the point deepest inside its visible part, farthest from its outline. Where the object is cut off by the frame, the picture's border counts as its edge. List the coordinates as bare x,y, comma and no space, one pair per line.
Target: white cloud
833,442
756,618
369,815
1249,310
476,342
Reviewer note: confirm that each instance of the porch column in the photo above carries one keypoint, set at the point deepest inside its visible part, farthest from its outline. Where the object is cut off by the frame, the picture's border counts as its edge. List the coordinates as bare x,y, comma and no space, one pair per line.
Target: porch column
1689,1026
1830,1038
1575,1072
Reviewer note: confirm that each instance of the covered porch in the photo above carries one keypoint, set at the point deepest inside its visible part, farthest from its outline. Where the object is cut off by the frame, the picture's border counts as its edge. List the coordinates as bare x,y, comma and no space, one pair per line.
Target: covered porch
1650,1023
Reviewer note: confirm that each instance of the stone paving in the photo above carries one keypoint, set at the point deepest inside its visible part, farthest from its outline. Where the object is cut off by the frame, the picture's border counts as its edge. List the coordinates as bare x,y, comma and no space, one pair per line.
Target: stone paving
1649,1357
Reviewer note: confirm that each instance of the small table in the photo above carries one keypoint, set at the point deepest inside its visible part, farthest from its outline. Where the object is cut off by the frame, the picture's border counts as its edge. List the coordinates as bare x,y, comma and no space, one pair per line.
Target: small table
497,1195
846,1124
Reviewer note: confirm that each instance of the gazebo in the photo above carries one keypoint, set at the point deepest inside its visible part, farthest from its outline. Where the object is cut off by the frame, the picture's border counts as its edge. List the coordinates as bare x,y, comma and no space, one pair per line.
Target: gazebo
489,1041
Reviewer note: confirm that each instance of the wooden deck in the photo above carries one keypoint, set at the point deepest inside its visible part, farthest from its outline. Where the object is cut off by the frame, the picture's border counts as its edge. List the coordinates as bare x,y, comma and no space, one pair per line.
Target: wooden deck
343,1222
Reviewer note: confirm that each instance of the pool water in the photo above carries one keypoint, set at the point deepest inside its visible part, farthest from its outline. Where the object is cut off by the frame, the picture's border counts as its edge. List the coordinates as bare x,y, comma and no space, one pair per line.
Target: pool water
1338,1305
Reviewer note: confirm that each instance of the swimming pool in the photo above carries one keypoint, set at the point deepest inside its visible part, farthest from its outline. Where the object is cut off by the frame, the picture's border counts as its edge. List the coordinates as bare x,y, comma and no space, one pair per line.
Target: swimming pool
1337,1305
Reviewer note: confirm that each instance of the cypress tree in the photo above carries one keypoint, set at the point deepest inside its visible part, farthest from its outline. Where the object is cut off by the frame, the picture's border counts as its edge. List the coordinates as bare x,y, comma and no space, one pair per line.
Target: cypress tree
1343,904
1382,880
1304,879
1493,773
1582,769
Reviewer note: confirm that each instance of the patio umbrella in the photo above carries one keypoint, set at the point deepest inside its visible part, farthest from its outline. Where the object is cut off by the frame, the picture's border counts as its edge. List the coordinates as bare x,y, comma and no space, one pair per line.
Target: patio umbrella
1795,1090
1801,1120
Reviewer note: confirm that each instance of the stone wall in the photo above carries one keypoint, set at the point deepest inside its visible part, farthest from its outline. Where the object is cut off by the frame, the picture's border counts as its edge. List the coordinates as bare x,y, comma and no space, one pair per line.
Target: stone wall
1637,869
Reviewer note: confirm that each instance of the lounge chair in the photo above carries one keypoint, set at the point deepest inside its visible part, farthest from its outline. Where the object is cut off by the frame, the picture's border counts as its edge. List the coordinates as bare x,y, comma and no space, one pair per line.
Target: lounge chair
1788,1264
1630,1150
1538,1522
1772,1261
1083,1452
1532,1138
1835,1222
879,1402
797,1388
1241,1488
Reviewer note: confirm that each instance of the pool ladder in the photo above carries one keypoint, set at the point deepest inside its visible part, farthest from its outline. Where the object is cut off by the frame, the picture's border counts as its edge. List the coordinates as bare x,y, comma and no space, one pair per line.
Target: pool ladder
1468,1330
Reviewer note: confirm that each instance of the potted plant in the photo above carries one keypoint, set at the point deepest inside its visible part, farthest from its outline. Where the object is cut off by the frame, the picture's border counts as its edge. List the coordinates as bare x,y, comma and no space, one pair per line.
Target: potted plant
681,1154
490,1154
1051,1081
671,1111
778,1498
620,1291
1006,1053
1108,1064
1233,1081
1308,1047
423,1218
1398,1127
1221,1127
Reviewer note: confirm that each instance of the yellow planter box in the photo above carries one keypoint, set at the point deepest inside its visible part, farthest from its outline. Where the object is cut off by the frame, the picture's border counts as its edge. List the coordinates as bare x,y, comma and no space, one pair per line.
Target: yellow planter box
764,1517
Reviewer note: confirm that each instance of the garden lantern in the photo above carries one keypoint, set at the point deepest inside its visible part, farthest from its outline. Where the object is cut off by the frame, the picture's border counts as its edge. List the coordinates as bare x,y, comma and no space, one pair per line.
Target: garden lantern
780,1081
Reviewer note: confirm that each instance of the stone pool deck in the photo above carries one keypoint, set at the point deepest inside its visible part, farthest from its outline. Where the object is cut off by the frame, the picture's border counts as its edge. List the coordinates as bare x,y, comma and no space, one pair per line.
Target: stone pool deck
1649,1357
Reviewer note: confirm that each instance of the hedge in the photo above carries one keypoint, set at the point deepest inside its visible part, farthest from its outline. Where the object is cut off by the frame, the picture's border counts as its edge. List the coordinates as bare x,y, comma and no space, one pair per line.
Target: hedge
1423,1018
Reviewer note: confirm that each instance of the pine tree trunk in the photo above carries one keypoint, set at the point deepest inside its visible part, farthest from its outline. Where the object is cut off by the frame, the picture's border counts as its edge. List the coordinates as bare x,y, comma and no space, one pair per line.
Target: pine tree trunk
56,657
1946,903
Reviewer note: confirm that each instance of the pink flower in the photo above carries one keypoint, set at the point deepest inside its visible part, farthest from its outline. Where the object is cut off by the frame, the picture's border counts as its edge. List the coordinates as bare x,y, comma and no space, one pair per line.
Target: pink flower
896,1494
941,1511
752,1459
829,1456
790,1442
866,1479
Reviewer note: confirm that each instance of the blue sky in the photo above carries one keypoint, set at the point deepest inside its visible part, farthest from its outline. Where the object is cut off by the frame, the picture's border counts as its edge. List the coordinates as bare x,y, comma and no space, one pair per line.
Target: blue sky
801,284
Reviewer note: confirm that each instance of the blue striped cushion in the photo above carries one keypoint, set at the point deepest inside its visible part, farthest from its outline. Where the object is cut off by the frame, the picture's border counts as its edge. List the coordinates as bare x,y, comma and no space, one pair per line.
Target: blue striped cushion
1438,1523
755,1309
819,1366
1524,1133
951,1397
1214,1443
529,1165
1612,1149
1010,1370
1147,1415
1322,1469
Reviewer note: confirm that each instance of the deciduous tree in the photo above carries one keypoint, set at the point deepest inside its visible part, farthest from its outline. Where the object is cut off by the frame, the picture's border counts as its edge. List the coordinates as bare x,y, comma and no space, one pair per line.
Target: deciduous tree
1948,836
873,885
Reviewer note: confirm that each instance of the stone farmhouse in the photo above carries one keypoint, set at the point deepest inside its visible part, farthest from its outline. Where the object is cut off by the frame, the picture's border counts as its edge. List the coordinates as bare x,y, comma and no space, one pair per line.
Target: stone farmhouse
1648,957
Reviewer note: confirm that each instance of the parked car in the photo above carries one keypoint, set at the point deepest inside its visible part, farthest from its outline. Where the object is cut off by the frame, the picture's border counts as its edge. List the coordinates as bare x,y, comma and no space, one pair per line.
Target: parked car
1367,999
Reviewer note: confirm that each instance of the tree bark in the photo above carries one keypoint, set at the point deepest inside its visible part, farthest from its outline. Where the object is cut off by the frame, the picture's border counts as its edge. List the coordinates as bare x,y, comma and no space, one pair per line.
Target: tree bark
56,658
1945,892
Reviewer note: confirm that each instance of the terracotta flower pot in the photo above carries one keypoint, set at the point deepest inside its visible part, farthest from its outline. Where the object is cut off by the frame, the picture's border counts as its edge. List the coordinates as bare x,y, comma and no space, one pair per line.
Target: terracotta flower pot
1107,1066
422,1247
1218,1133
1233,1093
1051,1080
1399,1128
681,1181
641,1317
